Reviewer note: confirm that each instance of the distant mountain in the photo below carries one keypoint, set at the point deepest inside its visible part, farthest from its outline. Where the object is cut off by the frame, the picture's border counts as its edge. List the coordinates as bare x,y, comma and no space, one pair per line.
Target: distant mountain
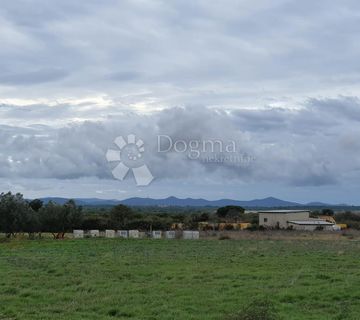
57,200
269,202
83,201
173,201
316,204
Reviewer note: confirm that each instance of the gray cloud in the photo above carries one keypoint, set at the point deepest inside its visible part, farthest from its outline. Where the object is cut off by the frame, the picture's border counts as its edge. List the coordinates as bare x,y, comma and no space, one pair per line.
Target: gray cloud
281,78
124,76
32,77
323,154
233,54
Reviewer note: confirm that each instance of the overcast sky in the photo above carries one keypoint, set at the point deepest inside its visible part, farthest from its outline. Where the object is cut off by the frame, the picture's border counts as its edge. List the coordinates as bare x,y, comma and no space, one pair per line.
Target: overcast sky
278,78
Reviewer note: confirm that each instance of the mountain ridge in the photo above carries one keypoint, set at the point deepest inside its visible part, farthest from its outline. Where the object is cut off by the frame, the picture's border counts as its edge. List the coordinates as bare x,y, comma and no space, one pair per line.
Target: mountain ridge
270,202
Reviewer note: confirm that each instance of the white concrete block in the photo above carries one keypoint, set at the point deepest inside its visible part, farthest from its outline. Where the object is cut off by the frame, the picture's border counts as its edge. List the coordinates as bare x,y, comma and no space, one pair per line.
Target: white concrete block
122,234
109,233
193,235
78,234
134,234
170,234
94,233
157,234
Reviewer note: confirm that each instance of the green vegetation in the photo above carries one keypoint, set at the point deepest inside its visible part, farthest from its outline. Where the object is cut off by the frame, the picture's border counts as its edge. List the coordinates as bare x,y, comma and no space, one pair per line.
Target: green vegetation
18,215
351,219
160,279
232,212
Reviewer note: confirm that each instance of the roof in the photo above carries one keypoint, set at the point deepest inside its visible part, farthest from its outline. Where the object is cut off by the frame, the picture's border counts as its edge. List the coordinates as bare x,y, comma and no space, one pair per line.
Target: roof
283,211
312,222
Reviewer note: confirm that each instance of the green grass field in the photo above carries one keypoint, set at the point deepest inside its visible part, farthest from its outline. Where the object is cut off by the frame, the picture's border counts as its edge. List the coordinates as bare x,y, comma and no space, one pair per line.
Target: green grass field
159,279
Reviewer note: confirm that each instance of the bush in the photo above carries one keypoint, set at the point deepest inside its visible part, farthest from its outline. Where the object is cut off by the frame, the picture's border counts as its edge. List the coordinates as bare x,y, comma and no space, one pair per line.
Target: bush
95,222
224,238
258,309
256,227
232,212
351,219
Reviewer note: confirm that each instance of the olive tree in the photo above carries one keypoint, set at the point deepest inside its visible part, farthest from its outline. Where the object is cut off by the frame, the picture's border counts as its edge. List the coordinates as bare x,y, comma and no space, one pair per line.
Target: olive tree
16,215
59,219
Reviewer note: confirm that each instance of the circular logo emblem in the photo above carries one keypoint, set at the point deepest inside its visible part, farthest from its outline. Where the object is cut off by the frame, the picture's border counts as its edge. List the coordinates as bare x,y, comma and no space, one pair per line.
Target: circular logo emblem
129,156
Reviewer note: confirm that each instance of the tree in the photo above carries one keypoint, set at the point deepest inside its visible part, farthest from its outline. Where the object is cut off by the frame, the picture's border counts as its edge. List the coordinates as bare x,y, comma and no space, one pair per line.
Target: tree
179,218
14,213
31,223
73,216
327,212
59,219
95,221
230,212
351,219
205,216
120,215
36,204
50,216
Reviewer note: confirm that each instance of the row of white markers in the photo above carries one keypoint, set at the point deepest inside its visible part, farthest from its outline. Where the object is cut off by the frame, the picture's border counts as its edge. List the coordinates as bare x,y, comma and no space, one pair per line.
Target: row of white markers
186,234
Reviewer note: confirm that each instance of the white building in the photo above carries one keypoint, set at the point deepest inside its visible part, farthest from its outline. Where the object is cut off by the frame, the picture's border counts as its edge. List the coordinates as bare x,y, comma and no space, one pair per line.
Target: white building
311,225
280,218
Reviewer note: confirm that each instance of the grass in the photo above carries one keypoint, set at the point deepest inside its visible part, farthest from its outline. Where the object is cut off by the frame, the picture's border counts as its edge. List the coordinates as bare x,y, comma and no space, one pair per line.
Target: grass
160,279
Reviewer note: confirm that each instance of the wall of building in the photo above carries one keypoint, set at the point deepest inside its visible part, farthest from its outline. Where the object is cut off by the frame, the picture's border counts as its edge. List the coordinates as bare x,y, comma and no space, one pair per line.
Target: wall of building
309,227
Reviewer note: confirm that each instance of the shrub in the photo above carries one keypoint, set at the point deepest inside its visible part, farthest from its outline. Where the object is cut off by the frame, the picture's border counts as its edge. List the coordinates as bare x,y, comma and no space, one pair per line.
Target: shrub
258,309
224,238
256,227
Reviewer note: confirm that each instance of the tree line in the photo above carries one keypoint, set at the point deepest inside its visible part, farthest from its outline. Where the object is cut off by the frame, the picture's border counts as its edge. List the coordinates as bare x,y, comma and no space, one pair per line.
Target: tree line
18,215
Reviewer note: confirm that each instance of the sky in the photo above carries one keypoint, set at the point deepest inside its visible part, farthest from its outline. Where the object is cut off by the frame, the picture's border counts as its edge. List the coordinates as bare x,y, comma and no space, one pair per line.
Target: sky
232,99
